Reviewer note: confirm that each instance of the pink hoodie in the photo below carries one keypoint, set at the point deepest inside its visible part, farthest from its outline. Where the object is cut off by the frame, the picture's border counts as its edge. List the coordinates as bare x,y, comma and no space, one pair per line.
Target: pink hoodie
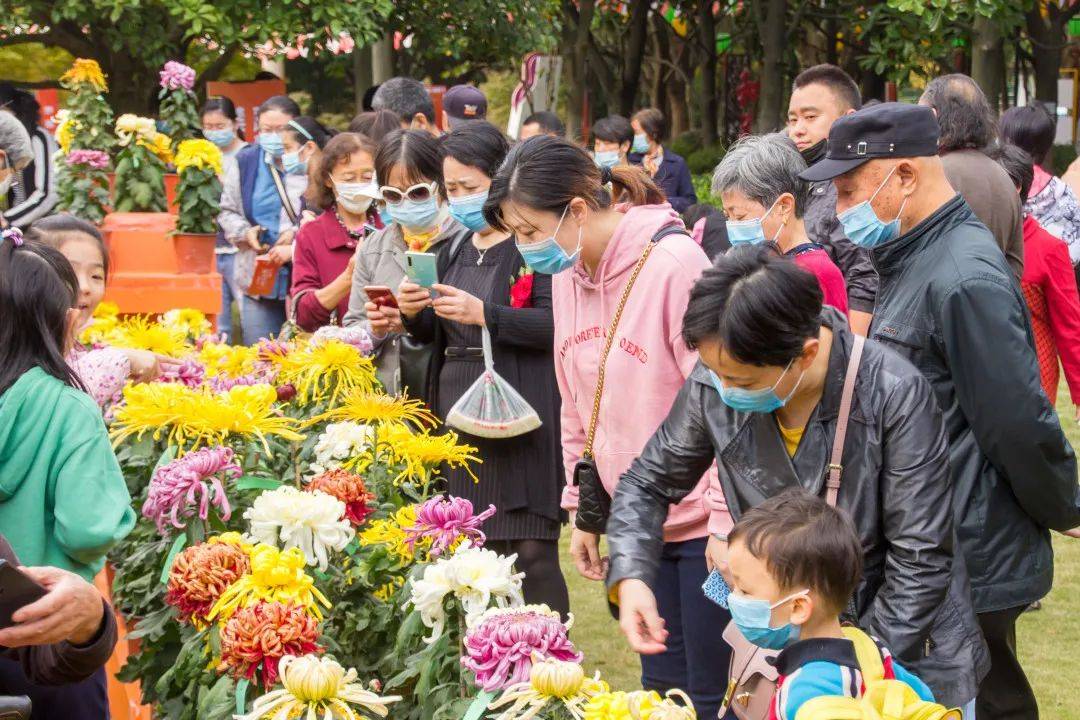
648,362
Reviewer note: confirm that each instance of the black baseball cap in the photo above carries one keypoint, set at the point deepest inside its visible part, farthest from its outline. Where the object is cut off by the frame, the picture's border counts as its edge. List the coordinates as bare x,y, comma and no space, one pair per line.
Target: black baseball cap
888,130
463,103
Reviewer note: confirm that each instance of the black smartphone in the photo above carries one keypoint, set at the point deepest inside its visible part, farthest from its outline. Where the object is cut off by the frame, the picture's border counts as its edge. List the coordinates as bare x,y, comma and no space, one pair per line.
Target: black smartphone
17,590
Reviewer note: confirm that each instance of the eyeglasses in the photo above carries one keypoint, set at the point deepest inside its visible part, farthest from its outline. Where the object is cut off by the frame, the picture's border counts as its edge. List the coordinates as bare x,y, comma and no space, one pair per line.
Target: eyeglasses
420,192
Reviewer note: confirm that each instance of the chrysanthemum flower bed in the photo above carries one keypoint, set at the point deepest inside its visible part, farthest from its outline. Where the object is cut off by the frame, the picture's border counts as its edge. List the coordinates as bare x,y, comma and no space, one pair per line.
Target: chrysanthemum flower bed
296,557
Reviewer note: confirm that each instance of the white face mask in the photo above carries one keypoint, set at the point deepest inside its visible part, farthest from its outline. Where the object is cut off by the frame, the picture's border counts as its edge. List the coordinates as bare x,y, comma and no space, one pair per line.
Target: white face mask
356,197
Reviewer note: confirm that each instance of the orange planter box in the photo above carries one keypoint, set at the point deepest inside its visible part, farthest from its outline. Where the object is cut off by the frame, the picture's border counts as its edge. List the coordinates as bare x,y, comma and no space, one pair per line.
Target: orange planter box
143,274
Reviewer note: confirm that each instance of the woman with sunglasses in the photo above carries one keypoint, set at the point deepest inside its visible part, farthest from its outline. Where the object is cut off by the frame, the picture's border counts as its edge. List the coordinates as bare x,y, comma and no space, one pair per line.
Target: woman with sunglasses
551,195
408,166
484,283
260,208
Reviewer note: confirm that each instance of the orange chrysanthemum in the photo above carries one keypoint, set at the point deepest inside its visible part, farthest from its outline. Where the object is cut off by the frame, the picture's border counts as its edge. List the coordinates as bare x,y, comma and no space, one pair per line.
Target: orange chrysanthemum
256,637
200,574
349,489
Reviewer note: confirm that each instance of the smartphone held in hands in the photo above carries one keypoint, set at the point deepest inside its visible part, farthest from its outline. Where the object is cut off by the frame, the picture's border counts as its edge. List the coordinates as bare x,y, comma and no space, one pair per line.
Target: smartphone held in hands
17,590
381,295
421,268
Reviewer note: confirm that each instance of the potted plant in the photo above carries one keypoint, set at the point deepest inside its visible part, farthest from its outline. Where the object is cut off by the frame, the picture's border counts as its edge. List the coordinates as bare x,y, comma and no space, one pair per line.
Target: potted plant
84,139
140,165
198,162
179,113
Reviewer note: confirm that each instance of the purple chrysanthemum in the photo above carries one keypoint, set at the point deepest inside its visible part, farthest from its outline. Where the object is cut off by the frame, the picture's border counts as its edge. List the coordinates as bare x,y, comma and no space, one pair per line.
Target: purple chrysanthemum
499,649
189,373
445,521
195,477
177,76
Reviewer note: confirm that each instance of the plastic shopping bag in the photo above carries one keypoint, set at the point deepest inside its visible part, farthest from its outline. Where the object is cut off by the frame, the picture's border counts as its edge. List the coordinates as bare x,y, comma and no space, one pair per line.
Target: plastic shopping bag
491,408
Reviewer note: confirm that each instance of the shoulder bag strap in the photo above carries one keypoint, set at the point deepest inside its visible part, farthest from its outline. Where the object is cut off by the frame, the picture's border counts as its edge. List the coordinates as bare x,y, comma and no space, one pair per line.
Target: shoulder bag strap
836,466
283,195
590,435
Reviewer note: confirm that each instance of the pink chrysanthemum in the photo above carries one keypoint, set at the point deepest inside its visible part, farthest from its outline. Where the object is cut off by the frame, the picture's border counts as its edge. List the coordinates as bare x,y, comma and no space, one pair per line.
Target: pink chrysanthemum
190,373
177,76
197,476
499,649
96,159
224,383
446,521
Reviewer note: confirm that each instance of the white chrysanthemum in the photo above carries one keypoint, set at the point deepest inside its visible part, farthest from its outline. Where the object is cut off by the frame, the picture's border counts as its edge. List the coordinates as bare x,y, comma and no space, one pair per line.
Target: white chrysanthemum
312,521
339,443
475,576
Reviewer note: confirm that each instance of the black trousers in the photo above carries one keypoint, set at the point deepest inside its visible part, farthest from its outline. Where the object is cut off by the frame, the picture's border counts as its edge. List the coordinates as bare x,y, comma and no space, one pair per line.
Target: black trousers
86,700
1005,693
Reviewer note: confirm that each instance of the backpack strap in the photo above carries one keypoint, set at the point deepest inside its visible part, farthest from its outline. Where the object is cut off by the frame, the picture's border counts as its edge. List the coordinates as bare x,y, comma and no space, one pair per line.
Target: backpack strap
867,653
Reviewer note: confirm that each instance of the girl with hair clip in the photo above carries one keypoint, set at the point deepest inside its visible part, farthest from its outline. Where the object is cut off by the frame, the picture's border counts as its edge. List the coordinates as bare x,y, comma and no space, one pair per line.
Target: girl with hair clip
621,282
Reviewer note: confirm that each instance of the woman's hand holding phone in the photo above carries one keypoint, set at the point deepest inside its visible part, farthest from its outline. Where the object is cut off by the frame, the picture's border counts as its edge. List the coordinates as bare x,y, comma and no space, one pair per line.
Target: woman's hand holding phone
411,298
384,319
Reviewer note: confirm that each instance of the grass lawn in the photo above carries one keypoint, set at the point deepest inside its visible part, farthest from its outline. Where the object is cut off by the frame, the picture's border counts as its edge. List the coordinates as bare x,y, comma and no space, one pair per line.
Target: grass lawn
1047,639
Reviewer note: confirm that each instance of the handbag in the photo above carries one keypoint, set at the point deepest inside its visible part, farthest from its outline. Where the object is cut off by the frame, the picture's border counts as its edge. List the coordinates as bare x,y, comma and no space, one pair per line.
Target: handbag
594,502
751,676
290,328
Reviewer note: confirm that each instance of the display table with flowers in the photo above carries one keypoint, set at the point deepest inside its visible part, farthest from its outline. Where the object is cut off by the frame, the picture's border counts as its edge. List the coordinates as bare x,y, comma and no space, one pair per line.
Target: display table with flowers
297,558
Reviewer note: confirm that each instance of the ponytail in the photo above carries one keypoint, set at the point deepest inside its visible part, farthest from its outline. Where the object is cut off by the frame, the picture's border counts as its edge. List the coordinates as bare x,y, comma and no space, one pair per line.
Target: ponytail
633,185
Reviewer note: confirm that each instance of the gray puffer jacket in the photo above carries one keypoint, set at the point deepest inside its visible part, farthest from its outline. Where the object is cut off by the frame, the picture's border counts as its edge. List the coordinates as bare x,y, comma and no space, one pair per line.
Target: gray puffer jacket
914,593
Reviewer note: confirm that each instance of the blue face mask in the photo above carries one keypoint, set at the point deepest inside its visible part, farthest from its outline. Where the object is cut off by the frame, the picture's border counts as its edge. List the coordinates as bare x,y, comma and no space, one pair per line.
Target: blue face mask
415,215
385,216
863,226
221,138
271,143
763,400
469,211
292,163
750,232
547,256
753,618
641,144
606,158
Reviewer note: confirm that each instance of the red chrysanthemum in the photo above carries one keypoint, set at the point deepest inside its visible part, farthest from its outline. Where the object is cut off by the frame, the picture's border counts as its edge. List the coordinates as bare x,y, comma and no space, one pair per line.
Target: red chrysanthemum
349,489
521,291
256,637
200,574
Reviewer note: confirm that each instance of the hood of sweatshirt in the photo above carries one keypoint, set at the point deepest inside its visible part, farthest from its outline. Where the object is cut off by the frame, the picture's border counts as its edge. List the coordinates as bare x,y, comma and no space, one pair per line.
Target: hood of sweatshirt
639,224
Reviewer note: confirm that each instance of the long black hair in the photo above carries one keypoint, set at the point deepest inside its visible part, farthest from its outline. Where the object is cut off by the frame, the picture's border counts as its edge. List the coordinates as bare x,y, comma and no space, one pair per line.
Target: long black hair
37,288
1031,129
55,230
477,144
418,154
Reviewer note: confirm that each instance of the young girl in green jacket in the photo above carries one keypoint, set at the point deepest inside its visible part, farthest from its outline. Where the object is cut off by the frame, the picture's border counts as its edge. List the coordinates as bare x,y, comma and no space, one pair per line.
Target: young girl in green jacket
63,500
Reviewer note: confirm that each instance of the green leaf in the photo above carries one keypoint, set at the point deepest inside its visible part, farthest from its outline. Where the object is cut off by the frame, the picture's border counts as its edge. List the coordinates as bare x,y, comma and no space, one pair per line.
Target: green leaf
251,482
177,546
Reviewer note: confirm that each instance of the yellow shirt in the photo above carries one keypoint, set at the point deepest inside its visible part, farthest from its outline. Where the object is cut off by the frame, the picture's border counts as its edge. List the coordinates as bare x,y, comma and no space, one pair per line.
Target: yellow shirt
792,437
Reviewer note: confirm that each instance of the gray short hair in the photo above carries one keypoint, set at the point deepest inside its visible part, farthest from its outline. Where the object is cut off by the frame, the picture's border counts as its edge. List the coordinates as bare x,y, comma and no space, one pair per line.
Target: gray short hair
14,141
763,167
404,97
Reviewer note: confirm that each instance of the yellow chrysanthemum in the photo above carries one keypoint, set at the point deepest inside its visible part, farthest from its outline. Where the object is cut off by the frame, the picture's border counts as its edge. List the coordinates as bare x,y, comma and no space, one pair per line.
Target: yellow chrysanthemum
232,538
422,453
391,533
85,71
160,144
107,309
384,593
372,408
640,705
142,333
330,369
99,330
198,153
276,576
190,321
191,418
228,360
65,130
551,682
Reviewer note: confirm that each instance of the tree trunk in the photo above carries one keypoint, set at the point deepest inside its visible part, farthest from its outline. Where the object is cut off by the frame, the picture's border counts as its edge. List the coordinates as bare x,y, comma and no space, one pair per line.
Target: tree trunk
1047,40
988,58
710,104
138,91
578,57
772,31
637,34
362,67
382,60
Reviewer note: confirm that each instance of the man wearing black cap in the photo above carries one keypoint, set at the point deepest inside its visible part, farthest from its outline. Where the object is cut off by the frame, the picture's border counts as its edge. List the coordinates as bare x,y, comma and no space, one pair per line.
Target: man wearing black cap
948,301
462,104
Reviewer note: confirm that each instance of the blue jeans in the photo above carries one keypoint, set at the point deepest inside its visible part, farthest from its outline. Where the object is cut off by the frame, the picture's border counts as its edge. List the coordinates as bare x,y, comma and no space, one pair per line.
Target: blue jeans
697,659
230,293
261,318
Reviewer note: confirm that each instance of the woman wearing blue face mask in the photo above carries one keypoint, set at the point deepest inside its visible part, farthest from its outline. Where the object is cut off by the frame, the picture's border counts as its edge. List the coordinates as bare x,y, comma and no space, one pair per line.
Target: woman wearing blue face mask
408,170
637,263
666,168
612,138
484,283
260,213
767,404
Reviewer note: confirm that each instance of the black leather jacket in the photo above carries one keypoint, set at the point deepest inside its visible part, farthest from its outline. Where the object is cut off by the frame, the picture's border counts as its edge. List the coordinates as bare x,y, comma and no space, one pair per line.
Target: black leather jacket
914,594
949,303
824,228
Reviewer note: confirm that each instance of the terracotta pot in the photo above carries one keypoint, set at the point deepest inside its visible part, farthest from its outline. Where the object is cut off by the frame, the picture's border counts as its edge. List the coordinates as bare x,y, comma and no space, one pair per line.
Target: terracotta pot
171,181
194,252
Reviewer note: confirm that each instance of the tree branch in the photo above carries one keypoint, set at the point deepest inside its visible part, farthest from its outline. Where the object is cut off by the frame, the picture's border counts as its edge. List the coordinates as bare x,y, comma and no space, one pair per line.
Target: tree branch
214,69
36,85
45,38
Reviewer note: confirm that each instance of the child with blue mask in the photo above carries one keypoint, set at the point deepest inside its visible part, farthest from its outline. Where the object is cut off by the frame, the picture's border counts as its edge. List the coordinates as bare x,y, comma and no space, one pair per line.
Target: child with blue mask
794,564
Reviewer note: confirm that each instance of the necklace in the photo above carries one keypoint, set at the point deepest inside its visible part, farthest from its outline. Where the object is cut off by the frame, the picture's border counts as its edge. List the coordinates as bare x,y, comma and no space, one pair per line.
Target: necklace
481,254
356,235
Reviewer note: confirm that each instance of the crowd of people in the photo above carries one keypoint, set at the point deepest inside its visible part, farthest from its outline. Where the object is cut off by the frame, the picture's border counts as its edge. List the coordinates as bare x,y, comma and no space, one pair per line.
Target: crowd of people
832,397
